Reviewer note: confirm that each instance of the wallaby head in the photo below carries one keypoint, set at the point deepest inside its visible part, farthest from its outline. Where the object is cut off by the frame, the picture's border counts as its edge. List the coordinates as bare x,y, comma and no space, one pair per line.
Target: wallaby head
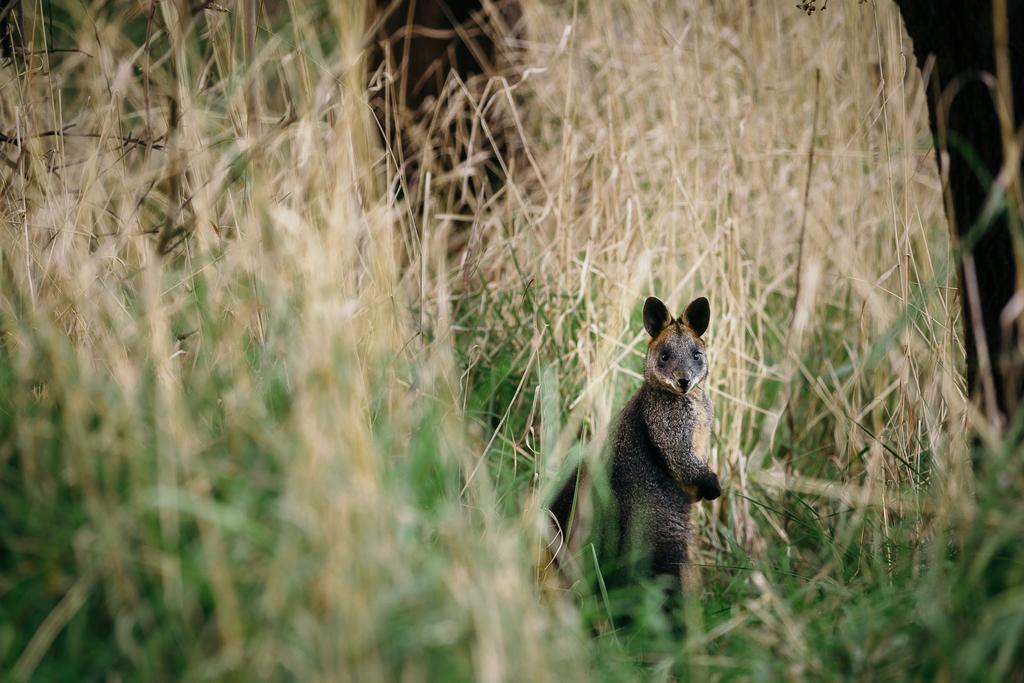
675,355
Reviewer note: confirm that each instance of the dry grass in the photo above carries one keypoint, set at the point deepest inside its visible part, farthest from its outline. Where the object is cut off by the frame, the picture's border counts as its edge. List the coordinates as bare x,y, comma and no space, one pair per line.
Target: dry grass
260,421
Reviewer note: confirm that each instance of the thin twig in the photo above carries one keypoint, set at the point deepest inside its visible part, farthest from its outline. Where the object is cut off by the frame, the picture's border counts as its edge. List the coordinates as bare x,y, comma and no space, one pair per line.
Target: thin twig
130,140
147,54
807,197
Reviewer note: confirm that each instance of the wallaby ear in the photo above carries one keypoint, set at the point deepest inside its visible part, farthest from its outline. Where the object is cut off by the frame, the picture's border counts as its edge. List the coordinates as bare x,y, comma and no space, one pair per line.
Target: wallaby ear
656,316
698,315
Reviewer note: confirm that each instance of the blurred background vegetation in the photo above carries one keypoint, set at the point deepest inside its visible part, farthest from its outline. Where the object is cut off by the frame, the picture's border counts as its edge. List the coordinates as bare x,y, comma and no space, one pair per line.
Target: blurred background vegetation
272,409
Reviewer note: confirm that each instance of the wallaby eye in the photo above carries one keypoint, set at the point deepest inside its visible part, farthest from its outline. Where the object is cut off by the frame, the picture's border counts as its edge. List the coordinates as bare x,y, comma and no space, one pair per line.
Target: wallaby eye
697,355
664,356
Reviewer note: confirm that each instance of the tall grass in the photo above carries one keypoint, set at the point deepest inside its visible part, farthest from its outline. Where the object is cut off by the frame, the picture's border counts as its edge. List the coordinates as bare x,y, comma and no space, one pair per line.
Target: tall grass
266,412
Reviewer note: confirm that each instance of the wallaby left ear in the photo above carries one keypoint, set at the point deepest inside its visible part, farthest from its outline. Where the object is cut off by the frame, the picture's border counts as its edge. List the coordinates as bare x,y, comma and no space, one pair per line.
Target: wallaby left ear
656,316
698,315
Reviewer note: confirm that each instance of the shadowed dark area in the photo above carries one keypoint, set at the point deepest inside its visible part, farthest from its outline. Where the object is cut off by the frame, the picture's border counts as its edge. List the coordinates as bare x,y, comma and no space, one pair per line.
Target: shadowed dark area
424,41
421,55
7,38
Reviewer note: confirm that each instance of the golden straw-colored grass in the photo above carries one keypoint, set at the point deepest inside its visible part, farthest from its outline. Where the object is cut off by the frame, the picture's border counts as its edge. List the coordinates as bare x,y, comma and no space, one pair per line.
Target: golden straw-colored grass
271,415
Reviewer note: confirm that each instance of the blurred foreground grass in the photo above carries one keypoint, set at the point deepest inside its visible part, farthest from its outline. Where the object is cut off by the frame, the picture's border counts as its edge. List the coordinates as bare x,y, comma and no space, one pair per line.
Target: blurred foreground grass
259,421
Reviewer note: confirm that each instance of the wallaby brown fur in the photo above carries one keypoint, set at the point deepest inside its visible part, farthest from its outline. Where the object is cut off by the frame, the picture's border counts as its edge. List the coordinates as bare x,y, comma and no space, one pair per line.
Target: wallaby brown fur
658,464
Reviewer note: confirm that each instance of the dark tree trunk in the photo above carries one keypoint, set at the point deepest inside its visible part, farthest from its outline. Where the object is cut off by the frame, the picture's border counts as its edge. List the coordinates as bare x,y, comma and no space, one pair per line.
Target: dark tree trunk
956,49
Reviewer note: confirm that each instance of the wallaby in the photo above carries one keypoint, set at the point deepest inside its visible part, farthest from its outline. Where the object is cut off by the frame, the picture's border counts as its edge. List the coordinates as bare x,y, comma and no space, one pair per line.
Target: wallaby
658,463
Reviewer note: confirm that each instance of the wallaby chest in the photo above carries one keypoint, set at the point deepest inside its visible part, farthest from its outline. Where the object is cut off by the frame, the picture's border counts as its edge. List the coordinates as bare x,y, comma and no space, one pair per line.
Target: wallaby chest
679,426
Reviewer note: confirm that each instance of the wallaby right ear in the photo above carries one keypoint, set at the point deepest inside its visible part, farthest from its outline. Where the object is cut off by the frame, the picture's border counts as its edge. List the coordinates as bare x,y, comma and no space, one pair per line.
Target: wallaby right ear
698,315
656,316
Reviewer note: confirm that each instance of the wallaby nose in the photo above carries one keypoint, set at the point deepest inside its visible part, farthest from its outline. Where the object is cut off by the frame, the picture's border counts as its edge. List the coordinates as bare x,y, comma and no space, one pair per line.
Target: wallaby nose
684,383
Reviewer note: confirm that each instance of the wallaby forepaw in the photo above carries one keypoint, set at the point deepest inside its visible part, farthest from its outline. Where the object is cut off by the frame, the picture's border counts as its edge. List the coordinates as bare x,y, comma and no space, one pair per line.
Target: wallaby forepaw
708,487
